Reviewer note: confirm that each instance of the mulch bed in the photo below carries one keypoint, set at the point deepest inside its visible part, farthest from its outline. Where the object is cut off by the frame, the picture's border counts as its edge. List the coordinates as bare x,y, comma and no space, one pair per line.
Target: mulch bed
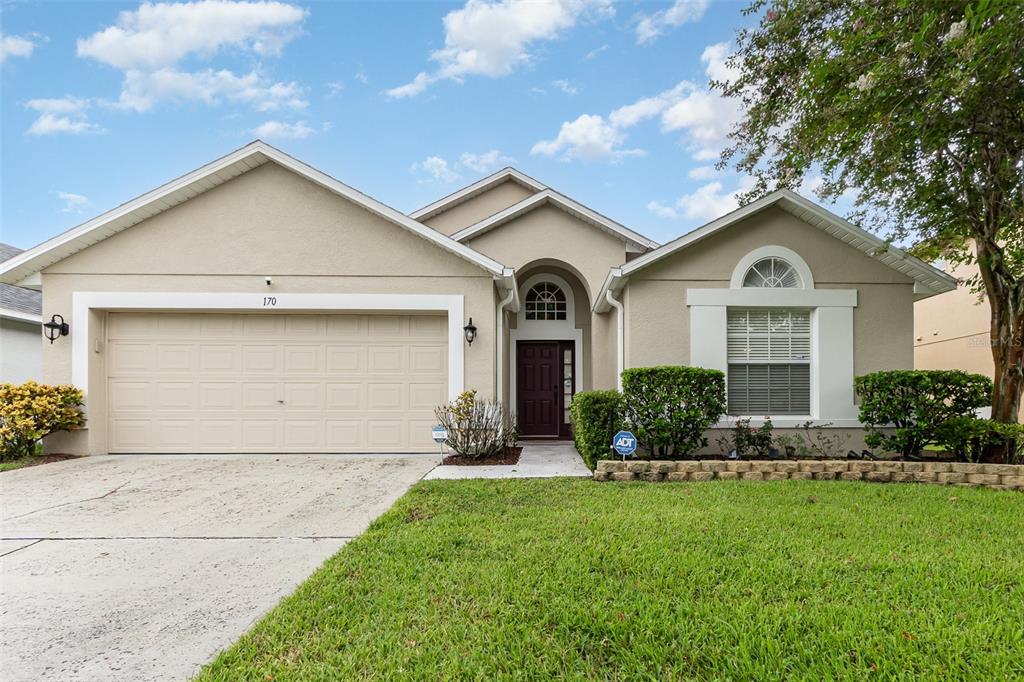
36,460
510,456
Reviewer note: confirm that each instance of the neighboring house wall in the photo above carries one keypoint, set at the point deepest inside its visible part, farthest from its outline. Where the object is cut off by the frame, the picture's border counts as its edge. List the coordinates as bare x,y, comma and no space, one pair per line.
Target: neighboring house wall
266,222
477,208
20,358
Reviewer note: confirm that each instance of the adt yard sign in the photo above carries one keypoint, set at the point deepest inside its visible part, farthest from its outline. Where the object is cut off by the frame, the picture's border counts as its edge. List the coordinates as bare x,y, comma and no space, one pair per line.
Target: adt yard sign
624,443
439,434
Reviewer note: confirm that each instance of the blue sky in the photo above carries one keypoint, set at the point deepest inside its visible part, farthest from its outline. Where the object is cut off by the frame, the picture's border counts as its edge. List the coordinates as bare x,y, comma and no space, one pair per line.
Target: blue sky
405,101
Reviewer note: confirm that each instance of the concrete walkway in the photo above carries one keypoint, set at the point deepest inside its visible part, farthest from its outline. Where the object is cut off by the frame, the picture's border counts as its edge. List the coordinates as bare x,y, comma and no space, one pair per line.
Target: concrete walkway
539,459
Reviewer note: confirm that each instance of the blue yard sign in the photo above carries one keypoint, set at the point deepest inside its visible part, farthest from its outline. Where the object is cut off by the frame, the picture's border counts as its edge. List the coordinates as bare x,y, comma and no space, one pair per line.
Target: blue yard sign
439,434
624,443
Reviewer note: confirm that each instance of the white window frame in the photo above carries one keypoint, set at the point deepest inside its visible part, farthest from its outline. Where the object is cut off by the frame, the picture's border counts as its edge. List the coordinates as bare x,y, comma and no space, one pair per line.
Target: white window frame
769,362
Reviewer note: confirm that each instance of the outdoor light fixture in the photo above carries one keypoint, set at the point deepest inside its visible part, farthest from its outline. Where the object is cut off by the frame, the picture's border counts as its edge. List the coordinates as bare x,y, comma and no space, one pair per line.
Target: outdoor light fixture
470,330
55,327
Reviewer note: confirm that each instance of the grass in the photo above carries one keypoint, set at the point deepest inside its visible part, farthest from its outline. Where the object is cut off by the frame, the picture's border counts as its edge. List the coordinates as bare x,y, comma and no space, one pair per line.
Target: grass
535,579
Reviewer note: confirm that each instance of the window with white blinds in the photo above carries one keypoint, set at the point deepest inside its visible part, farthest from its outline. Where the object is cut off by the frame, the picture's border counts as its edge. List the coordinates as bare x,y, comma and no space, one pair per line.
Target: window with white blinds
769,354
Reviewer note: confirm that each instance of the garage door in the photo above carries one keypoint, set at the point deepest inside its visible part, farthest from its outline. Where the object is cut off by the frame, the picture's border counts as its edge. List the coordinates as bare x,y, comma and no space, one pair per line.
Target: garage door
274,382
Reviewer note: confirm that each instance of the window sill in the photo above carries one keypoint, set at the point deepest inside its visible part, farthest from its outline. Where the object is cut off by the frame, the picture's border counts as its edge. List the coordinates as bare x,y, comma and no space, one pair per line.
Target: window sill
789,422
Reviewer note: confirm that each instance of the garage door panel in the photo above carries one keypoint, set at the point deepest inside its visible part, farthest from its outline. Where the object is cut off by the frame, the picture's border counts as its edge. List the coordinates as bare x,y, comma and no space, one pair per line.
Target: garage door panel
271,382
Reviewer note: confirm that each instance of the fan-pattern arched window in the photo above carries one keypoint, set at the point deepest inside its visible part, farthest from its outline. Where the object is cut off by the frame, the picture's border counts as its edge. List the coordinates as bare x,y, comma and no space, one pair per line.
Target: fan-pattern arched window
772,273
545,301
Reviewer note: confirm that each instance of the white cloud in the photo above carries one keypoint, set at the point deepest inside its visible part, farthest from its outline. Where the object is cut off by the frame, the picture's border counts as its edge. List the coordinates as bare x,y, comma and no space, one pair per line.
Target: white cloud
73,203
565,86
595,52
702,173
437,168
334,87
662,211
282,130
485,162
361,77
15,46
588,138
648,107
706,203
148,44
494,38
61,115
651,26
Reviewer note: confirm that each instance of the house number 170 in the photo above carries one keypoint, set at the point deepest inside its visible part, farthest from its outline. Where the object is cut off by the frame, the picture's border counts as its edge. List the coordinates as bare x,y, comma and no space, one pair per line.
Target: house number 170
269,301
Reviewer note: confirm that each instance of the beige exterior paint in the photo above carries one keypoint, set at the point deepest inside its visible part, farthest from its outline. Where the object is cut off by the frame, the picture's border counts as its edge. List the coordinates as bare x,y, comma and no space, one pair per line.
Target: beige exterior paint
477,208
267,222
20,350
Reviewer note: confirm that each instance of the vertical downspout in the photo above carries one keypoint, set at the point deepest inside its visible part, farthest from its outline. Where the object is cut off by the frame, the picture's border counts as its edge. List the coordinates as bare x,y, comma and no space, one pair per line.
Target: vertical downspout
500,354
620,333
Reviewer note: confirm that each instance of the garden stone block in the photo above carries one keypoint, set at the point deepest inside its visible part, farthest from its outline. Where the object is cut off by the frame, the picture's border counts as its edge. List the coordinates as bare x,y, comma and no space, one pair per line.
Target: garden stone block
737,466
889,466
823,475
903,477
601,475
851,475
810,465
776,476
663,467
752,476
652,476
610,465
702,475
687,467
967,468
728,475
623,476
787,466
913,466
924,476
638,466
938,467
801,475
1000,469
713,465
677,476
983,479
878,476
836,466
950,477
1013,481
860,467
762,466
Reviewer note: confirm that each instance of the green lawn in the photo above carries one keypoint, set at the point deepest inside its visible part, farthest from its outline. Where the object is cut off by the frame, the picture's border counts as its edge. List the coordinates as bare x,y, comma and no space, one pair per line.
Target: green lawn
724,580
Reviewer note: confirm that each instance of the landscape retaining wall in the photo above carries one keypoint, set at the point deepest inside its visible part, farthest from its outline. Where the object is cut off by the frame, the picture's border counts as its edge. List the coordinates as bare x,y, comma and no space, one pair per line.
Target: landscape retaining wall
997,476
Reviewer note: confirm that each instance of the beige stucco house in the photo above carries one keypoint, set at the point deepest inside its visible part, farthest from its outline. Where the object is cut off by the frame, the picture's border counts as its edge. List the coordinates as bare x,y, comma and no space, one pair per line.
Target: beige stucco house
259,305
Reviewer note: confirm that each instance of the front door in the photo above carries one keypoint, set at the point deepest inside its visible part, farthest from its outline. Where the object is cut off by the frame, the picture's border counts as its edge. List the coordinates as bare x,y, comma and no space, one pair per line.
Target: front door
539,388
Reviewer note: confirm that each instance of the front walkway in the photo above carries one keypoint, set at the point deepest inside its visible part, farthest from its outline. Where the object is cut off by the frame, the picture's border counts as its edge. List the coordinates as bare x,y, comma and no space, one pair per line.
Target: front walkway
539,459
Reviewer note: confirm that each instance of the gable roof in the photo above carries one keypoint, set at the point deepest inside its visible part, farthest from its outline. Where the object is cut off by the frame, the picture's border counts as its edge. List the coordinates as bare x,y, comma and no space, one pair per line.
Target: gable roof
207,177
570,206
479,187
18,303
928,280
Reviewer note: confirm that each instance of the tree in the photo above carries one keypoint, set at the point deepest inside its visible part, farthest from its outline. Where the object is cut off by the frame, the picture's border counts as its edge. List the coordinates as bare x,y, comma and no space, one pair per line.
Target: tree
915,106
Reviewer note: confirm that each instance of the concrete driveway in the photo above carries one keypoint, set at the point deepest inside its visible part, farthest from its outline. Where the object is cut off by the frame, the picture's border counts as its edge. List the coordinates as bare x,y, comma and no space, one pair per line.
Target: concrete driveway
142,567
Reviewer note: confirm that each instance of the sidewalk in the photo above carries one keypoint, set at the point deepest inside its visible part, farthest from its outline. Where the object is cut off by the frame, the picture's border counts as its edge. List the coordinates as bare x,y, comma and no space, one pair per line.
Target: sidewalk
538,460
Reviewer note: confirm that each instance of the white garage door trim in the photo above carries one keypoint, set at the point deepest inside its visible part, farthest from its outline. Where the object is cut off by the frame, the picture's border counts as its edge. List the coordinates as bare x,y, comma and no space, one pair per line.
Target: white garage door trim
84,302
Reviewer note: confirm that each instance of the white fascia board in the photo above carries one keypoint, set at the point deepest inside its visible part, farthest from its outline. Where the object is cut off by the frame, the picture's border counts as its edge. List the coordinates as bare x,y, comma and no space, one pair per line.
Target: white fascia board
29,262
613,282
20,316
772,298
566,204
477,187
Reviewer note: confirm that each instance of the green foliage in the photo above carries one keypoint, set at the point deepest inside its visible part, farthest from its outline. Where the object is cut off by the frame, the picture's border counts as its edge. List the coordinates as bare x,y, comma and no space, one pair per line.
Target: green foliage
746,441
917,403
670,407
812,440
916,107
969,438
476,428
596,418
29,412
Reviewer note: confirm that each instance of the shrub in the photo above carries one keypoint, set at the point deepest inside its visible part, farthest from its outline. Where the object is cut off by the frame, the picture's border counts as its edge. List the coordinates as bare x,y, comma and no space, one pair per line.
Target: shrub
29,412
476,428
669,408
745,440
967,438
596,418
814,441
916,403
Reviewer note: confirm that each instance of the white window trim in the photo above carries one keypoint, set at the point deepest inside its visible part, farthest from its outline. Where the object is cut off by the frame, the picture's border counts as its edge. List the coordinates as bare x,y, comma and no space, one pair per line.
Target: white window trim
544,330
772,251
83,303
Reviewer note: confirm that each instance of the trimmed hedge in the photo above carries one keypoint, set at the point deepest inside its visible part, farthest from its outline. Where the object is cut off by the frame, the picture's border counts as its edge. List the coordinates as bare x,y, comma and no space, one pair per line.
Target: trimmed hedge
670,407
920,404
596,418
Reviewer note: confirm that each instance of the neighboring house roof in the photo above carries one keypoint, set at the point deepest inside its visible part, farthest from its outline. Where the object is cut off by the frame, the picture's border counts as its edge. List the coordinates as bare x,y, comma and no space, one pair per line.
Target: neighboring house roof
207,177
928,280
18,303
550,196
477,188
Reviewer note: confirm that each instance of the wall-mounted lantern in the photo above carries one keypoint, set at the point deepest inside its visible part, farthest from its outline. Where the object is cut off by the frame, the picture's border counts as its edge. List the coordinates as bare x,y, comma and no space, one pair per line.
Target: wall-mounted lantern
55,327
470,330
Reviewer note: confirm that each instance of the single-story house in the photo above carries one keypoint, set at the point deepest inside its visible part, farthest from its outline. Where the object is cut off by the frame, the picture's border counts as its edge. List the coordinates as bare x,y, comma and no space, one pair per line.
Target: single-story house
20,329
259,305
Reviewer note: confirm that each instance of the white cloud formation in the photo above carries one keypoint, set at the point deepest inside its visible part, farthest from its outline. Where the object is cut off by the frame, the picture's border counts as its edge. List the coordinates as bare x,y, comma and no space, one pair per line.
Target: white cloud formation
702,173
15,46
588,138
437,168
282,130
565,86
61,115
494,38
706,203
73,203
148,44
595,52
651,26
485,162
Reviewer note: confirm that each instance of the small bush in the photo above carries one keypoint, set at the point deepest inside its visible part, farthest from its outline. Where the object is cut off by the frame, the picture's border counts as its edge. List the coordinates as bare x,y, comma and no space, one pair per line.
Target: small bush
669,408
477,428
745,440
596,418
967,438
817,441
916,403
29,412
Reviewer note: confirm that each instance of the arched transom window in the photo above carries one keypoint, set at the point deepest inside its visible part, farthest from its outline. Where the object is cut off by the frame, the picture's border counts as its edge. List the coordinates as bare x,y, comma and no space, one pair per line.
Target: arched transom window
772,273
545,301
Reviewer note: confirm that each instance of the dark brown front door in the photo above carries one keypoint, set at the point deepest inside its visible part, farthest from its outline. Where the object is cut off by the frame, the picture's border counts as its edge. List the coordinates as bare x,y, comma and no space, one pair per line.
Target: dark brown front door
538,388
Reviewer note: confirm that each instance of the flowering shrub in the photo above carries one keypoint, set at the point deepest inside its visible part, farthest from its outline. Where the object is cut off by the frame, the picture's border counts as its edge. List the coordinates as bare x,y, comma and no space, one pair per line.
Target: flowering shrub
745,440
476,428
29,412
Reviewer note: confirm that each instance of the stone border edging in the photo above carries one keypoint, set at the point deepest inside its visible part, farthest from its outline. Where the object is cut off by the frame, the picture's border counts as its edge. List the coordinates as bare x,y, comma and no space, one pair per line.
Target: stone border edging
996,476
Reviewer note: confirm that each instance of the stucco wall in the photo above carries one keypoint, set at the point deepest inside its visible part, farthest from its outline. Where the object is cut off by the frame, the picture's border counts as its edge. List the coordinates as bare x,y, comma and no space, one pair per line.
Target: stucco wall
657,312
267,222
479,207
20,351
